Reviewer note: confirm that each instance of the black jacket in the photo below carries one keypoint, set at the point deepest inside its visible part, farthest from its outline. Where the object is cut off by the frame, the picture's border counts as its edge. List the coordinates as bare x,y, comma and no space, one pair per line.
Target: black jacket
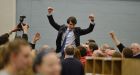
72,66
137,56
4,38
62,28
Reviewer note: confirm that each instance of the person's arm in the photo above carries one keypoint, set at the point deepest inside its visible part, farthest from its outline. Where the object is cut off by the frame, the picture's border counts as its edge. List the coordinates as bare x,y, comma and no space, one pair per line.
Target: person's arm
51,19
90,28
35,39
32,46
25,37
119,45
5,37
25,31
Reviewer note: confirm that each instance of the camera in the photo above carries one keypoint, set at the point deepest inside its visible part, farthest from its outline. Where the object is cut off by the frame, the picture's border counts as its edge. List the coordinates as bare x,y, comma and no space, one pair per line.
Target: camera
21,23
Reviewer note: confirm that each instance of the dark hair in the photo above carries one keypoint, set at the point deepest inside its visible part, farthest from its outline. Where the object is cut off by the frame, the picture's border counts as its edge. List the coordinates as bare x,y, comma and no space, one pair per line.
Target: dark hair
69,50
83,51
93,46
72,19
39,57
77,53
117,54
12,47
127,52
91,40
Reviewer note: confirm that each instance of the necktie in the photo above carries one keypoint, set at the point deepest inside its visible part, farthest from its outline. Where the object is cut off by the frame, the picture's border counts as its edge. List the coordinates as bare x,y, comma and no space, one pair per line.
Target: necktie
64,42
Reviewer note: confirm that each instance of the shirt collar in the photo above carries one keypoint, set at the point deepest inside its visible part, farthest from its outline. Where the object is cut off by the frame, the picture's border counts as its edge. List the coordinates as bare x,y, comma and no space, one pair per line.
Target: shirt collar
69,29
69,56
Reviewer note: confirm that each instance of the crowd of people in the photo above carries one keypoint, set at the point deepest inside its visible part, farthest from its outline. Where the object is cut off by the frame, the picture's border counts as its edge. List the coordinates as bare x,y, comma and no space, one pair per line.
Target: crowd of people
20,57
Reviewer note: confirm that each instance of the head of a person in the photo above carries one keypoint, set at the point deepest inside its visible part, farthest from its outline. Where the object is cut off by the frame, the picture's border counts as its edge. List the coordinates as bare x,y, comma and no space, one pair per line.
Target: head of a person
110,51
90,41
83,51
93,46
135,47
105,46
47,63
69,50
117,54
71,21
44,48
85,46
127,53
17,53
98,53
77,53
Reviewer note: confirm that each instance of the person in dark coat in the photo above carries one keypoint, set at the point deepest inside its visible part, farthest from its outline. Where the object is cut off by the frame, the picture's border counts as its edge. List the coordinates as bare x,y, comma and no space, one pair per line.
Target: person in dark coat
71,65
69,34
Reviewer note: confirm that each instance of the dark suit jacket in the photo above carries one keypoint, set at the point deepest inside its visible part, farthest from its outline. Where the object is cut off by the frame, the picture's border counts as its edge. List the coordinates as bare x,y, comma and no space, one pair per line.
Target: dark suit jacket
72,66
62,28
137,56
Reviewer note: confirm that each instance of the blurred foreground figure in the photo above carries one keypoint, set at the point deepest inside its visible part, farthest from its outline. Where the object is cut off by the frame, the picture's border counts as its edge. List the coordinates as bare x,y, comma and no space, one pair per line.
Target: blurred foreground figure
47,63
15,56
71,65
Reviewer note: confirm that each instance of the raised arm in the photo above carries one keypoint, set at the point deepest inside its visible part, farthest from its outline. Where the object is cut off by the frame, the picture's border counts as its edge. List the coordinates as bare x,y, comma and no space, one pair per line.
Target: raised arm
90,28
25,31
36,37
119,45
5,37
51,19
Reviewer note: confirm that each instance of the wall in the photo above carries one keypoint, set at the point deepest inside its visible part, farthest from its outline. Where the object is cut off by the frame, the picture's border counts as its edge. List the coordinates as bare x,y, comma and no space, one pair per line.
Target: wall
121,16
7,15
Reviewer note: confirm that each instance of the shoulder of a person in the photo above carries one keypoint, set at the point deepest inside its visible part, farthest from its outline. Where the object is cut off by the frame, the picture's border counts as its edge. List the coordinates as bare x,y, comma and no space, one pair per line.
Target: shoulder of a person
137,56
63,26
65,61
77,28
77,60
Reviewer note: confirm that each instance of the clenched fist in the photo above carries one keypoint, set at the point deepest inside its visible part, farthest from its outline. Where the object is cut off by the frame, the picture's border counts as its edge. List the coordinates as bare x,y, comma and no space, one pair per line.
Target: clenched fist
50,10
112,34
92,17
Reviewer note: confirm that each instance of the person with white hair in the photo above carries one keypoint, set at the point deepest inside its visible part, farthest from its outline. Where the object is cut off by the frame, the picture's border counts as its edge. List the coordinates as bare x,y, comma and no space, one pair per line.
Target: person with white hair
135,47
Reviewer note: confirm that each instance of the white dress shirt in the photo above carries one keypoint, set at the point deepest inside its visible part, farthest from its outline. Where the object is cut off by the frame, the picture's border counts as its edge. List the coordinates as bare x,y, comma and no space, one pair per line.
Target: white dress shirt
70,39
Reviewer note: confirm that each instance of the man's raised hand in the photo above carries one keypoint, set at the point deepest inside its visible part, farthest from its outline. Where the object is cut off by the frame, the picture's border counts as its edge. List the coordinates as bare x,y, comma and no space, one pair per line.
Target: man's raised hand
92,17
50,10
